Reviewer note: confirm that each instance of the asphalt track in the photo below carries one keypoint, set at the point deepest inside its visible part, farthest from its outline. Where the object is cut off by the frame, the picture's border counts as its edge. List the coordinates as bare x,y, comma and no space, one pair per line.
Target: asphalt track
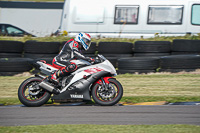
114,115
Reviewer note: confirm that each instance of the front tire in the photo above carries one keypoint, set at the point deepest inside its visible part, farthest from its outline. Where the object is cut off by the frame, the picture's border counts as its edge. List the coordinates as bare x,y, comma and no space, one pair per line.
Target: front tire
31,95
107,97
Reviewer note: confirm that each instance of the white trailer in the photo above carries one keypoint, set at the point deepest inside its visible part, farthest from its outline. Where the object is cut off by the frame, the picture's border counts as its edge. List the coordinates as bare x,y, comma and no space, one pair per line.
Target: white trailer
131,18
38,18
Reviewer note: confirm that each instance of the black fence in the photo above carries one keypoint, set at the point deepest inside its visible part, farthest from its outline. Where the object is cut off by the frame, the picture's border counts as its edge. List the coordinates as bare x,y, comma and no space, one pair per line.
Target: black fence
140,57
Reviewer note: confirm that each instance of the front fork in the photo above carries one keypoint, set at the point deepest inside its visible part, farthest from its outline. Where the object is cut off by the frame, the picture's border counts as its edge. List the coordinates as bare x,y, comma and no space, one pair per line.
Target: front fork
104,82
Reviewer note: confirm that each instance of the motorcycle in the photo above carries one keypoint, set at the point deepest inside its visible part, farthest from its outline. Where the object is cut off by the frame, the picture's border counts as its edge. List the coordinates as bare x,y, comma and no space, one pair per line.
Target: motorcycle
94,80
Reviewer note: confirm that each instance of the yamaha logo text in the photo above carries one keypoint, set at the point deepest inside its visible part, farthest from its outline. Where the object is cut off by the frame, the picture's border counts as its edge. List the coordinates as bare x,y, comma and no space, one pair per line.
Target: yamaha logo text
76,96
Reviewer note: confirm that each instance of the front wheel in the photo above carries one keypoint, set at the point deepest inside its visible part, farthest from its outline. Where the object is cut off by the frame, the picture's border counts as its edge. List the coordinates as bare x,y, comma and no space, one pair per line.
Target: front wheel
109,95
31,95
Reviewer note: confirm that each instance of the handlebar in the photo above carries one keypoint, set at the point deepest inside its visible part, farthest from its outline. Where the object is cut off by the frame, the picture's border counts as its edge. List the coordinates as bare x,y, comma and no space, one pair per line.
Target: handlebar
99,59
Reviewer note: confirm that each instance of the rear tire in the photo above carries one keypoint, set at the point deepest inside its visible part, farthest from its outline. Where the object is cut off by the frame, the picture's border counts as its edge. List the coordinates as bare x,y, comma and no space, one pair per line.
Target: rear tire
31,96
116,90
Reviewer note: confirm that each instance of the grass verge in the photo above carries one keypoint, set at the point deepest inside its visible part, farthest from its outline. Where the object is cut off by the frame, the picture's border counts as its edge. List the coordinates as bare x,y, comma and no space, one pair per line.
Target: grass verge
167,87
103,128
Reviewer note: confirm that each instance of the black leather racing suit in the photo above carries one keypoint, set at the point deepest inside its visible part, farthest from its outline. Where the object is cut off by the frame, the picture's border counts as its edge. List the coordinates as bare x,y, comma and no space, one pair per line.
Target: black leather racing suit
70,51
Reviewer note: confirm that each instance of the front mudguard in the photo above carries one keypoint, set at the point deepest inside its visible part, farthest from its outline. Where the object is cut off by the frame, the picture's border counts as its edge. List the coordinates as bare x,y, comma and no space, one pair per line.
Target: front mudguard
105,80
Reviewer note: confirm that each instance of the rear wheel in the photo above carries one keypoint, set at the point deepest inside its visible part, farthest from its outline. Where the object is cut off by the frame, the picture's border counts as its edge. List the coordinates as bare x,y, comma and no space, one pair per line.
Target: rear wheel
31,95
107,96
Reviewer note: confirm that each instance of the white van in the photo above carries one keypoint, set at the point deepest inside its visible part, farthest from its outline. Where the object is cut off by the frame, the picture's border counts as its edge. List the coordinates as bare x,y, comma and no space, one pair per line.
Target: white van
131,18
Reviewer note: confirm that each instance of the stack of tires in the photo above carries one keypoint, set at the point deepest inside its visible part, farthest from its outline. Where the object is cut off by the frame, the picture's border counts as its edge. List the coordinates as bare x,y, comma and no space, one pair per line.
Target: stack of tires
91,52
178,63
138,65
183,47
115,50
11,58
146,57
185,56
10,66
149,56
41,50
10,49
152,48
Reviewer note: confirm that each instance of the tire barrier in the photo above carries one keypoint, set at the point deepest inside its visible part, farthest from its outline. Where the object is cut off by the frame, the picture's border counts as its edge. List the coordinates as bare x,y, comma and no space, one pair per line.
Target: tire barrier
10,55
35,56
15,64
62,44
176,63
115,50
149,56
152,48
138,64
181,46
180,62
185,53
91,52
113,61
92,49
118,55
11,49
135,71
41,47
114,57
176,70
35,50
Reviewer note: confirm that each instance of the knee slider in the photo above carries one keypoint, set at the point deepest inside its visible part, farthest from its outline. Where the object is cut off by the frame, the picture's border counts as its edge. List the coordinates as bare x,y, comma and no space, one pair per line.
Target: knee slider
71,68
59,73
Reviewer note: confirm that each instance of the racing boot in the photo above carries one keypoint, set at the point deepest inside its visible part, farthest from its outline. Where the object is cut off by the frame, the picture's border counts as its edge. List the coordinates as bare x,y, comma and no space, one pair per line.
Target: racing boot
65,71
54,78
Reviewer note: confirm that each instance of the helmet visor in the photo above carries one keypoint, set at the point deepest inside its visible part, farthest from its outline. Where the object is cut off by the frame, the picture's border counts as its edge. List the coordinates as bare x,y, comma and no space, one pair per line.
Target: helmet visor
87,43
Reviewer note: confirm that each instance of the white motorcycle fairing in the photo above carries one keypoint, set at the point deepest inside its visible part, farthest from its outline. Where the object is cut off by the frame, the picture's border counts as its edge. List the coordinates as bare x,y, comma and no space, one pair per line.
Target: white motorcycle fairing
80,85
89,70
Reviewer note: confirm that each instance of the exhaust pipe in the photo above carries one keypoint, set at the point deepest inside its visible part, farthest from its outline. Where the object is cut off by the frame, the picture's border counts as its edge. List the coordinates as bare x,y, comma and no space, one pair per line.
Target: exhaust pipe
49,88
40,76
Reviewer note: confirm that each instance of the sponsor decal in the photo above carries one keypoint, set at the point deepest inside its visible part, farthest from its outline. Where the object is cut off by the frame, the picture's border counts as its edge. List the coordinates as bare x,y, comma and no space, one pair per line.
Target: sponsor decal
93,70
76,96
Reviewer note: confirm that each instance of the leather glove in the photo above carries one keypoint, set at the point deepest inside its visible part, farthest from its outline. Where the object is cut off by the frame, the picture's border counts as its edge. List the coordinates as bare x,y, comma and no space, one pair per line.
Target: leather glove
91,60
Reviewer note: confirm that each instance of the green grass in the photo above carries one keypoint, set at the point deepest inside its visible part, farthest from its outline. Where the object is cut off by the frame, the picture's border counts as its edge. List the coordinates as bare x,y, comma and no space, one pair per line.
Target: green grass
102,128
160,84
9,101
137,88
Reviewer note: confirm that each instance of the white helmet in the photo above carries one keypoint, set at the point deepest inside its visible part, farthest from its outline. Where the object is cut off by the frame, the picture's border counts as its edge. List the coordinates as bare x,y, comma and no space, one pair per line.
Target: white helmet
84,39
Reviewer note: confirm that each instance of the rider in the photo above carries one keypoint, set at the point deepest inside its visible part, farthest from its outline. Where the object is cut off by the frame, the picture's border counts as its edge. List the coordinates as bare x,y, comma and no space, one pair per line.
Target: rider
71,51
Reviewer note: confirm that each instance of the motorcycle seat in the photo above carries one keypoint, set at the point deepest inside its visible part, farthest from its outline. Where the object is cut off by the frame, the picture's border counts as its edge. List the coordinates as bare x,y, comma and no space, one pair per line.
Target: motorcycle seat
48,64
